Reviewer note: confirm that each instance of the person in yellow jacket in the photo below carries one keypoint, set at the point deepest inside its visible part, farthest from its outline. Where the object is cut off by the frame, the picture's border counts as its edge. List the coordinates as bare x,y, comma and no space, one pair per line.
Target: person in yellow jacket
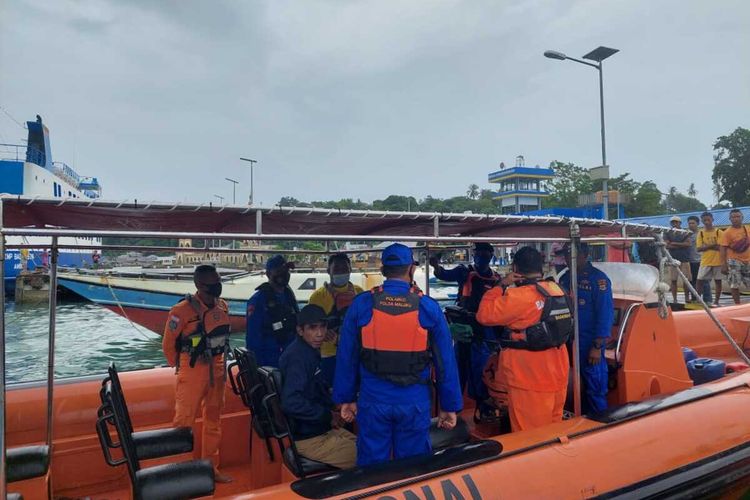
334,298
195,342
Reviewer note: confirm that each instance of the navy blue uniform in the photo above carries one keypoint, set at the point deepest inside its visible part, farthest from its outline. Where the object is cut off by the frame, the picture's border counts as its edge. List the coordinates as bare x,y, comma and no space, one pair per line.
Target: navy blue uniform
394,419
595,318
305,395
259,336
472,357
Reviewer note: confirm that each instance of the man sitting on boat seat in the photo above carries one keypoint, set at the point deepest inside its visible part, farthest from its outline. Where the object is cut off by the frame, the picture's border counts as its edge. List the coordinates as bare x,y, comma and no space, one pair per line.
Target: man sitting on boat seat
534,359
271,314
195,341
306,396
595,317
334,297
389,339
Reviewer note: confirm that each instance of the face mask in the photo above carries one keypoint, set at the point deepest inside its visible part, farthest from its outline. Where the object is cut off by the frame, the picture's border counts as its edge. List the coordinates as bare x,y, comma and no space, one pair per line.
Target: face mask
340,279
214,289
482,261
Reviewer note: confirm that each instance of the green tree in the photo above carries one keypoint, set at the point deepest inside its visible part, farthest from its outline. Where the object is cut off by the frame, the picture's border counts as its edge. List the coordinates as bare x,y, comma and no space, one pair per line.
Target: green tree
678,202
732,167
473,192
692,192
569,182
647,201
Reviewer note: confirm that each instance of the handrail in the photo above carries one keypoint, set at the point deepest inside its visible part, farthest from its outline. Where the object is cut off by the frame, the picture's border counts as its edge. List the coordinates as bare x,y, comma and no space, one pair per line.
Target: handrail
621,333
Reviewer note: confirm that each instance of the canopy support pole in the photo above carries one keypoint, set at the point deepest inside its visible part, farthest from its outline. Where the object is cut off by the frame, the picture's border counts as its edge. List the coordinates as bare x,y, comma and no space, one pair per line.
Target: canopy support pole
427,270
575,238
2,357
51,346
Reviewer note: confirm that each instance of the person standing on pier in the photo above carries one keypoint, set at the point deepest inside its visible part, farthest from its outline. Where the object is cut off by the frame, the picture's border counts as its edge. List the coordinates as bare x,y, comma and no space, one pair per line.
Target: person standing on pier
734,247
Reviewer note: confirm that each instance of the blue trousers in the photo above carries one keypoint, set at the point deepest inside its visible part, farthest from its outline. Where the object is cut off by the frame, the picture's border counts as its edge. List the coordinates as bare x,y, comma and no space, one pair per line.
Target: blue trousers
594,381
392,431
471,359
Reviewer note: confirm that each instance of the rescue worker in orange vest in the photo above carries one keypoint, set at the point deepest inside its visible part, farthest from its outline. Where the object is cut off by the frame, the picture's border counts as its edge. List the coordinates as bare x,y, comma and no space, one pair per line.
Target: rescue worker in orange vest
334,298
537,322
390,337
195,341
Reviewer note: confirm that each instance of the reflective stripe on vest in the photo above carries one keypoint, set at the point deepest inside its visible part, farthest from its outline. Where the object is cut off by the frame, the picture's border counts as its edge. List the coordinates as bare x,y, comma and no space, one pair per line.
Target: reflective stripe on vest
394,345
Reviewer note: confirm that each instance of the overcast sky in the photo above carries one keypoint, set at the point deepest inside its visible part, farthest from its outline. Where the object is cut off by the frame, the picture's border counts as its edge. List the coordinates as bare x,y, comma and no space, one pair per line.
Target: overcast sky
335,99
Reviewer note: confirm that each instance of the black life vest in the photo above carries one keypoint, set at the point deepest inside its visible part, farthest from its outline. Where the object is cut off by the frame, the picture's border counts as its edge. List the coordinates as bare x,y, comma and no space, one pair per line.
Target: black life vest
475,287
394,346
554,328
281,316
211,335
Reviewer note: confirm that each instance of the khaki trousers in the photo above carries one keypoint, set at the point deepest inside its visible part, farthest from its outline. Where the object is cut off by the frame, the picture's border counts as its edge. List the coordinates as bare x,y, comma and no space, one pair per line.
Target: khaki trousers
337,447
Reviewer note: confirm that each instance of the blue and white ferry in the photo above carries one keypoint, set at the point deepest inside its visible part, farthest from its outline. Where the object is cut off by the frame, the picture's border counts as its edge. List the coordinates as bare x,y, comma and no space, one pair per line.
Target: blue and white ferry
28,169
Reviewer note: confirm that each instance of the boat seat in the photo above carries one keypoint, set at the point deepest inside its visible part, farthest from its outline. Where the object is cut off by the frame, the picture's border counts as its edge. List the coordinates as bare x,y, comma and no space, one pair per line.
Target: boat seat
189,479
442,438
163,442
149,444
27,462
247,384
175,481
302,466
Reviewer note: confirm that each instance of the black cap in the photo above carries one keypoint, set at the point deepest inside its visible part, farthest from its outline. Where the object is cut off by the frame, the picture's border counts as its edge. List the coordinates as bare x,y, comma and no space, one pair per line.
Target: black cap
311,314
482,246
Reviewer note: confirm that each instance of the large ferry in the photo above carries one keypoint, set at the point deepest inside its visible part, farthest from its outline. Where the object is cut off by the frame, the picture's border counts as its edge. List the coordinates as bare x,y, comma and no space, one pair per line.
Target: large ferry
28,170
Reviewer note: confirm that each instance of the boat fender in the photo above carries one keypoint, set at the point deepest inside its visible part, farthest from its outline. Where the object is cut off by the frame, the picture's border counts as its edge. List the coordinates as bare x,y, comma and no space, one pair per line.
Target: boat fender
702,370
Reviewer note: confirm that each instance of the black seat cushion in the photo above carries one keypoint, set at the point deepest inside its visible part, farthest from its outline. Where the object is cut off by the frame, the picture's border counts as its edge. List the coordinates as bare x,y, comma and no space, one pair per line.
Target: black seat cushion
191,479
441,438
14,496
163,442
309,466
27,462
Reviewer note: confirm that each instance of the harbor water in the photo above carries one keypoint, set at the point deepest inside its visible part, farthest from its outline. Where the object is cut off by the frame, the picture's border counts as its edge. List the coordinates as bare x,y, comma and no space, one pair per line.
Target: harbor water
88,338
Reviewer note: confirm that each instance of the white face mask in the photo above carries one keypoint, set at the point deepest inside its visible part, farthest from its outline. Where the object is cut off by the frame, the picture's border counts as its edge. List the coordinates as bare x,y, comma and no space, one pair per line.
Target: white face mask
340,279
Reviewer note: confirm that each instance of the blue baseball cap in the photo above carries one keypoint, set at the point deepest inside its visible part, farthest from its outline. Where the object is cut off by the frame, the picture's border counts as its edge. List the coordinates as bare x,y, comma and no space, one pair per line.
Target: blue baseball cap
397,255
275,262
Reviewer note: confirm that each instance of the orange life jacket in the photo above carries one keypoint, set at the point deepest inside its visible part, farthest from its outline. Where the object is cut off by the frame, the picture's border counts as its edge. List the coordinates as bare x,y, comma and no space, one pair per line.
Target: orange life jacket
394,346
474,288
341,302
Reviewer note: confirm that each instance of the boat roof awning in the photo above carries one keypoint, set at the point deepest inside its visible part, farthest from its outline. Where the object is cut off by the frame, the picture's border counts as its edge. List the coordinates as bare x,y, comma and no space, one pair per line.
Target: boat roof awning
73,217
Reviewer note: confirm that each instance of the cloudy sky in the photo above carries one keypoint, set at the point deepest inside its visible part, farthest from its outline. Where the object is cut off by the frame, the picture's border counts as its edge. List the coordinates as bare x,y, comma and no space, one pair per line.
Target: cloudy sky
362,99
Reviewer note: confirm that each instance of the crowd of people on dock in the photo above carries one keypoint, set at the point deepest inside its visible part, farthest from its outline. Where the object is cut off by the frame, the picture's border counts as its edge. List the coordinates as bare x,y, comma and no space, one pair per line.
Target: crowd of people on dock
373,357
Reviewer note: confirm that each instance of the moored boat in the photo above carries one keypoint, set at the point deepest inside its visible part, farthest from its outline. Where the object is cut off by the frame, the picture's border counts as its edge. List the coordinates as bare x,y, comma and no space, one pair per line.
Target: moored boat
663,436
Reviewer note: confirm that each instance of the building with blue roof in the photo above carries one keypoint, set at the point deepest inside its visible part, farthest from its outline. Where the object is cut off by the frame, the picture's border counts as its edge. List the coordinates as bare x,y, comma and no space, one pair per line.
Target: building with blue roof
721,217
521,188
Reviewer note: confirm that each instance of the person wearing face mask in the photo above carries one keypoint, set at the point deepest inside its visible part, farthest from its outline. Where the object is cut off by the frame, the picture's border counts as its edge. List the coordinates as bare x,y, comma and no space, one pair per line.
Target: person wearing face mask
472,354
390,337
306,401
195,342
334,298
272,314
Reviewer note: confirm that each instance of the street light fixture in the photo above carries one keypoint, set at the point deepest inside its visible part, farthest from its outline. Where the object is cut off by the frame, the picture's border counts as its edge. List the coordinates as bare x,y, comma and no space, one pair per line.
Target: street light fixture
234,189
220,198
252,164
598,55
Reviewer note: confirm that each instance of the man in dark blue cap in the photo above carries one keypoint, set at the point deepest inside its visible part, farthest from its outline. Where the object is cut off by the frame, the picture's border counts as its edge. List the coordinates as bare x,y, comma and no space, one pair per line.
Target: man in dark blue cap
473,352
390,337
595,318
271,314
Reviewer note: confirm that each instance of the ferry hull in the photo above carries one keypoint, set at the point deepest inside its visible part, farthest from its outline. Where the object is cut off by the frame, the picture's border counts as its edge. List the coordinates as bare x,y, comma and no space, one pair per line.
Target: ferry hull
155,319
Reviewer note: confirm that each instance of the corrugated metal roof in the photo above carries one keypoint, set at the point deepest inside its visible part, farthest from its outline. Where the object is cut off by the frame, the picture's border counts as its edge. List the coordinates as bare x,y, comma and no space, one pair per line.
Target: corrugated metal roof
721,217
